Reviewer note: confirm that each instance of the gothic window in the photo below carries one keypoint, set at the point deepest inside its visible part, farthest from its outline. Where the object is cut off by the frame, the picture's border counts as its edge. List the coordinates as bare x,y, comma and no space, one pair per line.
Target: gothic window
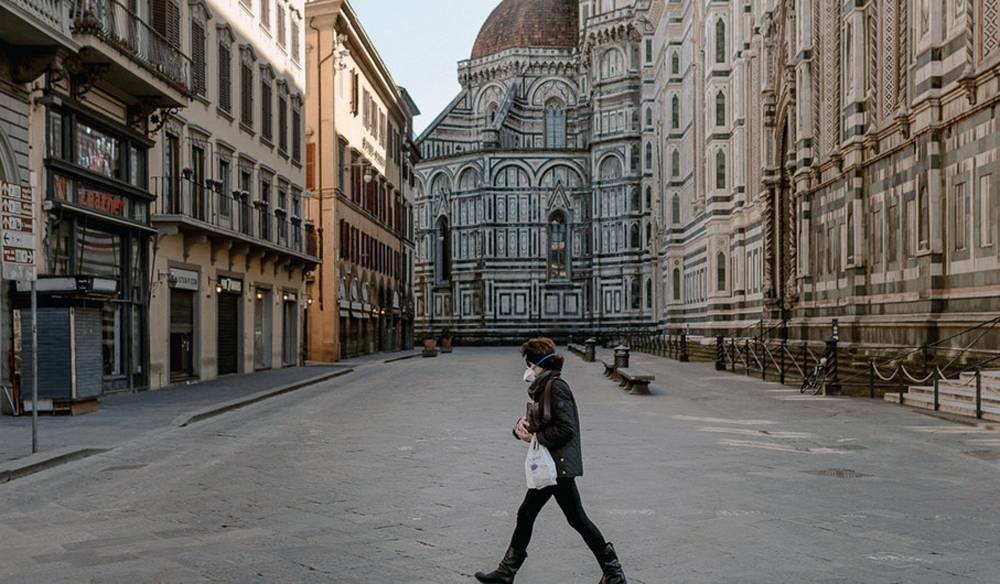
720,272
636,293
649,117
649,293
649,234
558,253
649,157
720,41
677,284
612,64
634,163
720,109
611,168
555,124
635,203
468,180
961,215
443,257
649,197
720,170
675,63
634,242
635,121
675,163
675,112
675,209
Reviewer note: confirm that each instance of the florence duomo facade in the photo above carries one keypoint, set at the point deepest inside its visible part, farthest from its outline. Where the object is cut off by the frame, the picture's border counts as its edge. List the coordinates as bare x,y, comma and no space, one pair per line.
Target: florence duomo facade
711,165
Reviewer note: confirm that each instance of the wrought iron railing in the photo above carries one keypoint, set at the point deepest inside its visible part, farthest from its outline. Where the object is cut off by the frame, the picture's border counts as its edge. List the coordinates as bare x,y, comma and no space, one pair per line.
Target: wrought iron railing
50,12
123,29
227,212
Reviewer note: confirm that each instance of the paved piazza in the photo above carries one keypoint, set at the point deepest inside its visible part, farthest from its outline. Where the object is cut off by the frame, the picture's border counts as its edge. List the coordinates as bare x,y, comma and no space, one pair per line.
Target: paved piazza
406,472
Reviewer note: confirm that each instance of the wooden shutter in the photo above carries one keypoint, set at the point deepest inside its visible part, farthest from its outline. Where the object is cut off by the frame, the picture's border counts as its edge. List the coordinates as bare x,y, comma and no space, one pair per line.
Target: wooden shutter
225,77
311,166
198,56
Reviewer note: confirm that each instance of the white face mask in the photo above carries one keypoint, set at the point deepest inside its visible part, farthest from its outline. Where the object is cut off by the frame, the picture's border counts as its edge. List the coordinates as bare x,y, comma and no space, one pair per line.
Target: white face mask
529,375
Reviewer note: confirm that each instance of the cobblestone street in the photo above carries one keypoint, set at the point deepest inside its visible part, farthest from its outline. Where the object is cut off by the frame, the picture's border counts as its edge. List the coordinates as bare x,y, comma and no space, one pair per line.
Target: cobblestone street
407,472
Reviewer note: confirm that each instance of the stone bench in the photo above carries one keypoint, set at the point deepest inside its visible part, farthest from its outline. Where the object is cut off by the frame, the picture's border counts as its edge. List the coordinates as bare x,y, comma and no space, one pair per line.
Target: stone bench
633,380
609,368
580,350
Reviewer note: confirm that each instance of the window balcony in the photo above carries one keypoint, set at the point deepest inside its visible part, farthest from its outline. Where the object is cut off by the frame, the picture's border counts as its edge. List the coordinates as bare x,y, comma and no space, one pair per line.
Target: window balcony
111,34
36,23
232,220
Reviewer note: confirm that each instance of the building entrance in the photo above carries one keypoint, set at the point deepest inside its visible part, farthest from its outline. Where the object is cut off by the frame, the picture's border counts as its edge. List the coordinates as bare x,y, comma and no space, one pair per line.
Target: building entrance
181,334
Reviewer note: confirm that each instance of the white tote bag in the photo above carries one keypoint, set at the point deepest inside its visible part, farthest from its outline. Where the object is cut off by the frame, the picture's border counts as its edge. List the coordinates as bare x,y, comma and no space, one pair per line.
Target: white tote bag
539,468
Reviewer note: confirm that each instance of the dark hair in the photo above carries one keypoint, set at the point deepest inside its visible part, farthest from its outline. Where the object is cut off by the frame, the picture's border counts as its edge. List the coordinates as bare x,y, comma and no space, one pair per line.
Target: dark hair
541,351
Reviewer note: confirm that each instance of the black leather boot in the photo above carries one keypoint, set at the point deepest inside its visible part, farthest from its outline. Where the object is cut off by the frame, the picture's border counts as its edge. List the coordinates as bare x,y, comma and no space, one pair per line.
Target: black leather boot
505,572
613,573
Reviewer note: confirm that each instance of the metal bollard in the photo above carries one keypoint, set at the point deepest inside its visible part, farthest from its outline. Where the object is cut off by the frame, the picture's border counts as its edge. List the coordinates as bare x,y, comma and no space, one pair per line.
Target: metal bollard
590,352
979,393
684,357
720,353
621,357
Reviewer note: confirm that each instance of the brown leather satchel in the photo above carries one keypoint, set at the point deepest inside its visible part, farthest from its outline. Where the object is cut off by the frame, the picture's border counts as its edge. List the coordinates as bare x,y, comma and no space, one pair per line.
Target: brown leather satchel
536,420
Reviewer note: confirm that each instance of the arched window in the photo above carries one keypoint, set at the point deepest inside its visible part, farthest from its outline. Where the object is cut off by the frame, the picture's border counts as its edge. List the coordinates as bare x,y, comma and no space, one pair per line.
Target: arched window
720,41
675,112
634,202
635,121
720,170
634,239
555,124
677,284
675,209
649,197
649,156
558,259
636,293
649,117
649,293
675,163
720,270
443,256
635,158
675,64
649,234
720,109
611,168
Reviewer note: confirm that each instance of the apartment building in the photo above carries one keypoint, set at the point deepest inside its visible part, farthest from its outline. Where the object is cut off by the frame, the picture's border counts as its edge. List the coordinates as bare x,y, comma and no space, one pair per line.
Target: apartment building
360,158
234,244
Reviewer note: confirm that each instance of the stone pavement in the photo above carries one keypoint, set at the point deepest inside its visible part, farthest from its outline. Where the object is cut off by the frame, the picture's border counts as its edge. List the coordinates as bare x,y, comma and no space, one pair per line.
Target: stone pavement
406,472
125,416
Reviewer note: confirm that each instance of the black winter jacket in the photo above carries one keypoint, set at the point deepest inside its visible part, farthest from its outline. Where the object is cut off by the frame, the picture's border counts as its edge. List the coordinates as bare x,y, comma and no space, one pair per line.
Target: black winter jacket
561,435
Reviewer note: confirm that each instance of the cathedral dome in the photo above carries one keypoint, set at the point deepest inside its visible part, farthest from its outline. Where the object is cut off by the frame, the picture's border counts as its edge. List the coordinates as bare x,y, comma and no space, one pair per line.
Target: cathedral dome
528,24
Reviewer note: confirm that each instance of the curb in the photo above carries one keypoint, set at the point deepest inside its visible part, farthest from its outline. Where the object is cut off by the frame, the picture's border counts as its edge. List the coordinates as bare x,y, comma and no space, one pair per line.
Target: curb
185,420
34,463
403,358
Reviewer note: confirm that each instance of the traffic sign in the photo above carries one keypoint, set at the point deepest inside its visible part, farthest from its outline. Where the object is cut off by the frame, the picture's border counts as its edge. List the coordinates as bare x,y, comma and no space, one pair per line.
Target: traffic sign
17,241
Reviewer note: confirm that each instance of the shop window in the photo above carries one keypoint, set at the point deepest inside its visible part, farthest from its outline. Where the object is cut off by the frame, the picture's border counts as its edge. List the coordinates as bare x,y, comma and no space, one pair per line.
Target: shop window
98,253
111,340
98,152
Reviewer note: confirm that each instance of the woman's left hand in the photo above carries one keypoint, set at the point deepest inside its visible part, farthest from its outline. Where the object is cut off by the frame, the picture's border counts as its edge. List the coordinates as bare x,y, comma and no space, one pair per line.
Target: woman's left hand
522,431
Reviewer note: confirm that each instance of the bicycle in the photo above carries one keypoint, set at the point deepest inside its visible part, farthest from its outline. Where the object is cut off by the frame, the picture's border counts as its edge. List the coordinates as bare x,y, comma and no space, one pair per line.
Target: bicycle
815,382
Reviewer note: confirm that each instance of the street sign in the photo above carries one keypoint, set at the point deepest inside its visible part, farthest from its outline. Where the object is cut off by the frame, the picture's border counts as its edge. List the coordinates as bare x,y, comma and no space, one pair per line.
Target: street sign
17,241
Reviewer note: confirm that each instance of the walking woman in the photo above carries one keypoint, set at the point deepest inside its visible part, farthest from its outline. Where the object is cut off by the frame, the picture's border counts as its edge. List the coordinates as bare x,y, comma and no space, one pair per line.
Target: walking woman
553,419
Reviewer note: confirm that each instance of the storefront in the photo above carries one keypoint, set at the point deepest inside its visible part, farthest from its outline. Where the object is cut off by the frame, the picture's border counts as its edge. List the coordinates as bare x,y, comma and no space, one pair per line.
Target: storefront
184,286
95,276
263,317
290,328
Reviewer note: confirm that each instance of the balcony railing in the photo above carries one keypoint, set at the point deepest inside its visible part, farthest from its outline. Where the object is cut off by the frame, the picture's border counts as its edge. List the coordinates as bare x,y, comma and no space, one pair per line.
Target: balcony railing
50,12
120,27
232,213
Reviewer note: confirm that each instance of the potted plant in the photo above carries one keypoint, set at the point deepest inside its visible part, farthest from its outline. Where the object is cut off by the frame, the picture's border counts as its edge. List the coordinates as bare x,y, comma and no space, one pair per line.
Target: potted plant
430,346
446,341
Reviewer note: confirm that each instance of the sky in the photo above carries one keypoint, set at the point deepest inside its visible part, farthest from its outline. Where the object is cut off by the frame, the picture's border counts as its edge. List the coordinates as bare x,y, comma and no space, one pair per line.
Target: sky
422,41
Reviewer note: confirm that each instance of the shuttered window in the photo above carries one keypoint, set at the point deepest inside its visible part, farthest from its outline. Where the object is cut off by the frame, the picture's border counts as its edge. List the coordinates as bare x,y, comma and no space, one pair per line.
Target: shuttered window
246,94
311,166
266,127
295,40
225,77
279,24
265,14
296,132
166,19
198,57
282,123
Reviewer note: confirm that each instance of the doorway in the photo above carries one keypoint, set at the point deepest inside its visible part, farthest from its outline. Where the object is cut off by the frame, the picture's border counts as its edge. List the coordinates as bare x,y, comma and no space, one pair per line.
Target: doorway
290,331
181,334
228,333
262,330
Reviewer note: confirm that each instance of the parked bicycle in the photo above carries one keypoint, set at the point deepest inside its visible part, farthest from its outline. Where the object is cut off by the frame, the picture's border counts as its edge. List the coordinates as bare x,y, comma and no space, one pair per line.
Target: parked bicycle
815,382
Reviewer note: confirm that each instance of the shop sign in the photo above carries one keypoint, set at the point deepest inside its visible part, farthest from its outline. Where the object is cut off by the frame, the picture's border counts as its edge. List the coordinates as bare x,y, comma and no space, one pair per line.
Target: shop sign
102,202
17,238
233,285
183,279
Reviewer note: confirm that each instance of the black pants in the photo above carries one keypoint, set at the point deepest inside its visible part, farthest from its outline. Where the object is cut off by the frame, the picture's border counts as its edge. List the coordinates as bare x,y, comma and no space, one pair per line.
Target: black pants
568,498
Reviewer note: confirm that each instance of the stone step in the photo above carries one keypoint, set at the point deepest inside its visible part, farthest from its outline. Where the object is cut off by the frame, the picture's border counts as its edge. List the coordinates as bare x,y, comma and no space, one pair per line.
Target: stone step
961,408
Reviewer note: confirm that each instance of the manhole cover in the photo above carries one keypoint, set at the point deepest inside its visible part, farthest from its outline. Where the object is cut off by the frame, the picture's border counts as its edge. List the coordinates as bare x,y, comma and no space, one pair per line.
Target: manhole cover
839,473
990,455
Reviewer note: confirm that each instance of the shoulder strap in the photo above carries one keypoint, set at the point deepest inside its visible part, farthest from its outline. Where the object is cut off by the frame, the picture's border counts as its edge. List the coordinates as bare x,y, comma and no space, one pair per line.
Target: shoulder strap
547,401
